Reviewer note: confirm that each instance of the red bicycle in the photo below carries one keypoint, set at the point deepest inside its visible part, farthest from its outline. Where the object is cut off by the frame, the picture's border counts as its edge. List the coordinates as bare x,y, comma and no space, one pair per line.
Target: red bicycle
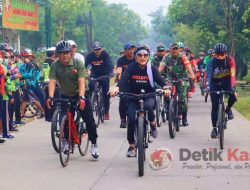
72,132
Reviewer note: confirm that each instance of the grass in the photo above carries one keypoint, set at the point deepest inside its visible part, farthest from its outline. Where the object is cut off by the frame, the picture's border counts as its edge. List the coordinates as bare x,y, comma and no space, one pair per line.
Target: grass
243,103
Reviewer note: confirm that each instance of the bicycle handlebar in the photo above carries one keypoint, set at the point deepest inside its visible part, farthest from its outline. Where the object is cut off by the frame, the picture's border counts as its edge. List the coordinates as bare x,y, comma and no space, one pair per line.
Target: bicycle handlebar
101,77
140,96
177,81
216,92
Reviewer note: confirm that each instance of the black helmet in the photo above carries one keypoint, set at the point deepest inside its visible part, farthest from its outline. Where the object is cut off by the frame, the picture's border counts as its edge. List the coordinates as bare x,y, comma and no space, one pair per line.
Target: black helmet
220,47
210,51
63,46
97,45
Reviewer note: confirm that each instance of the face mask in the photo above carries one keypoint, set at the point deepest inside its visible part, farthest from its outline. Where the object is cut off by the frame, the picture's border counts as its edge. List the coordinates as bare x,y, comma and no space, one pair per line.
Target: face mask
1,60
6,61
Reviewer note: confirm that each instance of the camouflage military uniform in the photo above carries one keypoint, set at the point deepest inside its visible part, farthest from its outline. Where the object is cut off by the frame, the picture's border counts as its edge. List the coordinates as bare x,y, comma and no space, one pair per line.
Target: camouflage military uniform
156,60
175,69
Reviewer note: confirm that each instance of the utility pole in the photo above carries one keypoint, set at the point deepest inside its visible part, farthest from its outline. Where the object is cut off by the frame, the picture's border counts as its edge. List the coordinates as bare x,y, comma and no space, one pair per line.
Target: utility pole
90,41
48,25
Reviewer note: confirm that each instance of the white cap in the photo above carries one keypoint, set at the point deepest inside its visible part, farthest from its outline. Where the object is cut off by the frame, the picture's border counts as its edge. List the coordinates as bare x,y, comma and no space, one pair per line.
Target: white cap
72,43
51,49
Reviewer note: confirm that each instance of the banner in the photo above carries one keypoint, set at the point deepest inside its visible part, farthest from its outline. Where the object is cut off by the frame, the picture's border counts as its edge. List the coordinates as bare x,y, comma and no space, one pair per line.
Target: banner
20,14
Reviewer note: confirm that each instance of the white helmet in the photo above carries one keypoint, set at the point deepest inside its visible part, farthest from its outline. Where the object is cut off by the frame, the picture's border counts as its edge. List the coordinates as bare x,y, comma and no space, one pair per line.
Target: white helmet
72,43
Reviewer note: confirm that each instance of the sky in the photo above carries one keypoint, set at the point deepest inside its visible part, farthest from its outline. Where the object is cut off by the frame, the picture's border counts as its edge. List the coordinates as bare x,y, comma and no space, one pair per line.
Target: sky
143,7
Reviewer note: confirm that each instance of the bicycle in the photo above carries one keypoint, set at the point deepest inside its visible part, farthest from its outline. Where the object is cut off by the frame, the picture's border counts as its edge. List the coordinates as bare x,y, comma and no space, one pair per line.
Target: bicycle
72,131
55,126
158,108
96,100
202,83
173,107
142,132
222,116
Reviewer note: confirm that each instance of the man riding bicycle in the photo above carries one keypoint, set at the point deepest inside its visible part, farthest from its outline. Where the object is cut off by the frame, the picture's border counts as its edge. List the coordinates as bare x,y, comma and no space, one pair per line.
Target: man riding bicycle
138,76
161,52
221,76
176,66
70,74
100,65
122,64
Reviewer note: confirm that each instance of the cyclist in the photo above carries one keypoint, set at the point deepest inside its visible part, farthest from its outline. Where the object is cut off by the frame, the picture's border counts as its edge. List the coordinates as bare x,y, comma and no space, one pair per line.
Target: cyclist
51,57
137,76
100,65
200,64
193,62
30,73
74,51
161,52
210,55
221,76
70,74
176,65
122,64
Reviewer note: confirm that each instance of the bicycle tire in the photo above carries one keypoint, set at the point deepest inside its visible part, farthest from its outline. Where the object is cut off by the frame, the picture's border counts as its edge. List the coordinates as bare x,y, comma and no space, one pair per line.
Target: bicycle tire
95,108
101,108
171,118
201,86
64,155
140,145
31,110
84,139
221,117
55,129
158,111
176,116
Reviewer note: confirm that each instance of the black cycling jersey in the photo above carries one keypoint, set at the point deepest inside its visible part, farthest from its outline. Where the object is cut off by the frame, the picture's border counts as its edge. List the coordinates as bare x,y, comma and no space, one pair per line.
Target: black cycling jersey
136,79
101,65
124,62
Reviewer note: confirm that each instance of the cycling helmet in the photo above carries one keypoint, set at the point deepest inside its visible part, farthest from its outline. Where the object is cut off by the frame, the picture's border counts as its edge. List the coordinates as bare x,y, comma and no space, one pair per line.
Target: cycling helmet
181,44
63,46
97,45
220,48
72,43
24,53
16,52
6,47
210,51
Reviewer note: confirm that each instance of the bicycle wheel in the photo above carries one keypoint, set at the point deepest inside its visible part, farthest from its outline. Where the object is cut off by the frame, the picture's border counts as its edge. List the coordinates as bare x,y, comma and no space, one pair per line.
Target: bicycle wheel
55,129
84,138
95,108
171,119
201,86
64,144
140,145
30,110
101,108
158,111
221,117
176,116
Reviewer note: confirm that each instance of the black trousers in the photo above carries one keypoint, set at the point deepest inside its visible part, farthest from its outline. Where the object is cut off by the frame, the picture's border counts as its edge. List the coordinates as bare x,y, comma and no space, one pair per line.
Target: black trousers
15,108
215,106
87,116
149,104
105,89
123,105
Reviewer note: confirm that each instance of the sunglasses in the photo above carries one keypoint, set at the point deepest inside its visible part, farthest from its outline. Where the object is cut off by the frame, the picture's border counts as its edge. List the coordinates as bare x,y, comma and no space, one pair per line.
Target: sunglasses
142,55
99,49
66,52
161,50
74,46
175,48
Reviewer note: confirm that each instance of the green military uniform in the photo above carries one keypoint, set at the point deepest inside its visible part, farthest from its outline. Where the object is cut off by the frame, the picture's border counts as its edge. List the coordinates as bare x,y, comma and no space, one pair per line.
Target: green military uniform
67,76
156,60
175,69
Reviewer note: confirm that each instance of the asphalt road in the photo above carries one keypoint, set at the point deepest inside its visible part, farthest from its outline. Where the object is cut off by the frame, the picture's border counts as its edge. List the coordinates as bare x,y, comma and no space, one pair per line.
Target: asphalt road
29,162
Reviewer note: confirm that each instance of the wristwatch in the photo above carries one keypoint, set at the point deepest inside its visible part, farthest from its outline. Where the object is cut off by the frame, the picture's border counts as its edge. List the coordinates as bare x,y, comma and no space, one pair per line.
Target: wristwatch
82,97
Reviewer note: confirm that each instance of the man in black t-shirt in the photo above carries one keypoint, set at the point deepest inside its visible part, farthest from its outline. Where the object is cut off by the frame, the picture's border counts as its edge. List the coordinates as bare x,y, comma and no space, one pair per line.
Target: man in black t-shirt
100,65
122,63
